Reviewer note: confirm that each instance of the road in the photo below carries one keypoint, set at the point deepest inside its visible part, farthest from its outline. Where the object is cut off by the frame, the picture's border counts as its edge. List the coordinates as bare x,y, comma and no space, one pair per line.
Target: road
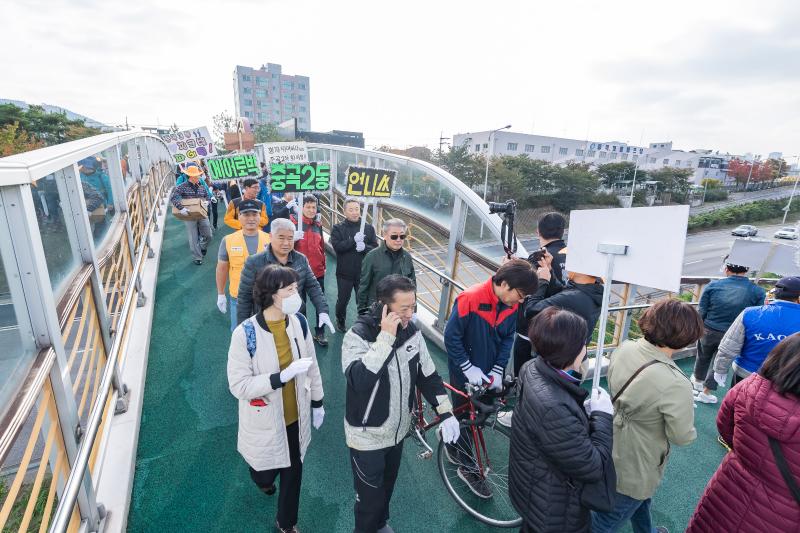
738,198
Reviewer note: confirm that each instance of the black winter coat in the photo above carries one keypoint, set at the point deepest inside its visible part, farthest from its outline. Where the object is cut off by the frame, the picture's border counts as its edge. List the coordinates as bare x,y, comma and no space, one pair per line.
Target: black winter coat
555,450
583,299
348,260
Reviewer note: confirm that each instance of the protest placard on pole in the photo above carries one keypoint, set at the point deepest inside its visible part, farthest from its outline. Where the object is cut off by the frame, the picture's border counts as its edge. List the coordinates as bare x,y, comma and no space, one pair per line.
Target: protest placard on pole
642,246
300,178
190,144
285,152
369,183
234,166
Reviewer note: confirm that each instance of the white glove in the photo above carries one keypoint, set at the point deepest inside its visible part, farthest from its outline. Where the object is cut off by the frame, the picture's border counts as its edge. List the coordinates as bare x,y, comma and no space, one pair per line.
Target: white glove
497,381
359,237
360,247
325,320
184,211
317,416
450,430
298,235
300,366
720,379
291,206
213,199
599,401
318,217
222,303
204,203
475,376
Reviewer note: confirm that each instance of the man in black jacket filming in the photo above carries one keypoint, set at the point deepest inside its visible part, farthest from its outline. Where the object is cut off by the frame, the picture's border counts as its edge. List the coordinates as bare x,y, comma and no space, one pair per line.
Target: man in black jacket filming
385,359
350,245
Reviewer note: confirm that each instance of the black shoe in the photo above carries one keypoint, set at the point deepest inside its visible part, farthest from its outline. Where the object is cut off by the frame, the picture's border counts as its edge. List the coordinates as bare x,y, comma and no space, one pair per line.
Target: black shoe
204,252
320,338
269,491
292,529
198,261
476,483
340,325
451,454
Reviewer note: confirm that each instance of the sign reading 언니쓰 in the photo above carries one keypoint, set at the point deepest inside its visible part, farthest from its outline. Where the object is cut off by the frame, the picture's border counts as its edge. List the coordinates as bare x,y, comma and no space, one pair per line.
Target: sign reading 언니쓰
286,152
234,166
370,182
295,177
189,144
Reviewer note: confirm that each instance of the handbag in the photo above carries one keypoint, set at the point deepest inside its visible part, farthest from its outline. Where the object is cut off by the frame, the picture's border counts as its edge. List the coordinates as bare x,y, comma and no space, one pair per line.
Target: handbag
780,462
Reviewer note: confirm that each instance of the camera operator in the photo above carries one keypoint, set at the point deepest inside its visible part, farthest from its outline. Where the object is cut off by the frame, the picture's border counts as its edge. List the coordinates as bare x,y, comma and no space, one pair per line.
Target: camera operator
551,239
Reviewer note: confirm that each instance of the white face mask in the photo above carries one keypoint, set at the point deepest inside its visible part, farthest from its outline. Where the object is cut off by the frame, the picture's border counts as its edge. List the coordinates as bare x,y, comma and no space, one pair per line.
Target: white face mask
291,304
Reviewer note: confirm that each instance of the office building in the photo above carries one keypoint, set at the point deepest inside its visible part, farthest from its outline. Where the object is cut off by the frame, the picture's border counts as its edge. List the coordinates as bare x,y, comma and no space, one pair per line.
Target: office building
268,96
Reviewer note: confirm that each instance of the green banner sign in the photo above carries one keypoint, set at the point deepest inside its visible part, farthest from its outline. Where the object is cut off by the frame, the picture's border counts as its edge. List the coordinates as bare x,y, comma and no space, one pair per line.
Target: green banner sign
300,177
234,166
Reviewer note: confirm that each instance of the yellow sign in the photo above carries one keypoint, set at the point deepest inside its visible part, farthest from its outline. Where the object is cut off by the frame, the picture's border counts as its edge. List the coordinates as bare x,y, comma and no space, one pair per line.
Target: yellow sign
370,182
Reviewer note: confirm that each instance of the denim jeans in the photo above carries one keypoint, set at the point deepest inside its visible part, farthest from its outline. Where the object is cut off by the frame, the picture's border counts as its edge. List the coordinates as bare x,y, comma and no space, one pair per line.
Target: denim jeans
232,309
625,508
706,351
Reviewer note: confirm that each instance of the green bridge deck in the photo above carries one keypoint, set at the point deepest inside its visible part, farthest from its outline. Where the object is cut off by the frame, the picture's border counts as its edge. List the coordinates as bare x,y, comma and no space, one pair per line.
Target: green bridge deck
189,477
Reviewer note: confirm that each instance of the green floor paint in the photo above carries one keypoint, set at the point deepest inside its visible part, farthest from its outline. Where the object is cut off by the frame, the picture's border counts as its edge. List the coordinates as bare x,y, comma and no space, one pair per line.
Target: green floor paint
189,477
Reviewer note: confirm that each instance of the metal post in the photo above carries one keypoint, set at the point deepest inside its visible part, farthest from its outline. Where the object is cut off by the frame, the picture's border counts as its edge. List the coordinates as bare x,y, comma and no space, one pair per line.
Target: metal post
610,251
749,174
457,224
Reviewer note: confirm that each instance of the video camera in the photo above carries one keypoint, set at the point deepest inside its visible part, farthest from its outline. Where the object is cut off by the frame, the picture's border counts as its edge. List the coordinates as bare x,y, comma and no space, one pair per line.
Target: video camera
507,235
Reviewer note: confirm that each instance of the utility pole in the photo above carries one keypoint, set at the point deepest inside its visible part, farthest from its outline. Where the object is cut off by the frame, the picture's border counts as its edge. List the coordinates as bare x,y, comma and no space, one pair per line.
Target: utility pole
749,174
442,140
786,209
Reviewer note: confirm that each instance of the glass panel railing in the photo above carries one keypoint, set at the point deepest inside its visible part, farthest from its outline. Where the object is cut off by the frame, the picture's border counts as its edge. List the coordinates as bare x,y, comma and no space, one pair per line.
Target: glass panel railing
98,193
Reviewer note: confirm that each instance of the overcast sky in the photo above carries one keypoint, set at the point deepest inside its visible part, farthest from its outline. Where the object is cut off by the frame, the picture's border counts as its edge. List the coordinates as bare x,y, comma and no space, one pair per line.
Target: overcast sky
722,75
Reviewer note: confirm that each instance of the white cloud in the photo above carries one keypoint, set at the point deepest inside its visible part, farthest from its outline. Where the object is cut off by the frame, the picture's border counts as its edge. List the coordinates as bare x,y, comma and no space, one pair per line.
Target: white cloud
720,75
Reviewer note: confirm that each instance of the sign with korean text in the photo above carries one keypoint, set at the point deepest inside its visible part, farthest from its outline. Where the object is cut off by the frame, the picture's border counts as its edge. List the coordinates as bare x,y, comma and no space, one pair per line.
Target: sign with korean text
370,182
300,177
286,152
234,166
190,144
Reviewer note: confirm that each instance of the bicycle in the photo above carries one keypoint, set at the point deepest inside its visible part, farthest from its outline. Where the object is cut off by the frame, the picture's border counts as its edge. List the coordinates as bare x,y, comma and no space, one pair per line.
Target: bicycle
473,458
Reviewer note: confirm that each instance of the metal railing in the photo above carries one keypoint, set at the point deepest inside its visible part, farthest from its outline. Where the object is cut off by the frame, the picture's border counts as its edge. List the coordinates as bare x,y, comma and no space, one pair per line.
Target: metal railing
76,315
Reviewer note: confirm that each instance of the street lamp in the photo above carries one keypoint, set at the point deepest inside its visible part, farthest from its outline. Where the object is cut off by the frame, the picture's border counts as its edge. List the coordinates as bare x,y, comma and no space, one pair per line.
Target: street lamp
489,151
749,174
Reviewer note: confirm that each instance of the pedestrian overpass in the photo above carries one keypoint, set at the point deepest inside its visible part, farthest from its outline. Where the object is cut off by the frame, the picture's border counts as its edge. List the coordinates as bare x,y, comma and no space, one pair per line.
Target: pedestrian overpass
114,408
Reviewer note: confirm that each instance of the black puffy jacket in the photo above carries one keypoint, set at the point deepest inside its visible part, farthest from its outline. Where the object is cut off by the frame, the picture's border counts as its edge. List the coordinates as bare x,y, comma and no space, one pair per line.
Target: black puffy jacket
555,449
348,260
584,299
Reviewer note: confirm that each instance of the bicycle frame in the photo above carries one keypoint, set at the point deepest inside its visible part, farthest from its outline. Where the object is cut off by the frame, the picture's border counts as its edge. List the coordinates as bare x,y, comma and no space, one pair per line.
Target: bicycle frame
422,426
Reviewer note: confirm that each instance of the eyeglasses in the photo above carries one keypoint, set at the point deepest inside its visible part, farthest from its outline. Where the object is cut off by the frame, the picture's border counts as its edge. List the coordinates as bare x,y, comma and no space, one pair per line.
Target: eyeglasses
519,294
402,237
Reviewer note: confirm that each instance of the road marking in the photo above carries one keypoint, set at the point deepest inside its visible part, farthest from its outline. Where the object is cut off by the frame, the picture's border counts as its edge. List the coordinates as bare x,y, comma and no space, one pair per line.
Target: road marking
693,262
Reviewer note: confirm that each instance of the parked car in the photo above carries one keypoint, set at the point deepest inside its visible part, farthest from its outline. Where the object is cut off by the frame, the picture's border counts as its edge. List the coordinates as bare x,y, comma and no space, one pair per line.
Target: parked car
789,232
745,231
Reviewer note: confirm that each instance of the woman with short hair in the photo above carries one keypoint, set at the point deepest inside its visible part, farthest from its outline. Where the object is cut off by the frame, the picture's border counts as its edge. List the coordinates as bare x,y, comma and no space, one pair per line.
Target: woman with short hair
760,420
272,370
653,407
560,439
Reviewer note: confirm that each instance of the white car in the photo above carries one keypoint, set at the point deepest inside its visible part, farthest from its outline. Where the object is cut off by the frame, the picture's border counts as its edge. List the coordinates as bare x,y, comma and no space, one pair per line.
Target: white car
789,232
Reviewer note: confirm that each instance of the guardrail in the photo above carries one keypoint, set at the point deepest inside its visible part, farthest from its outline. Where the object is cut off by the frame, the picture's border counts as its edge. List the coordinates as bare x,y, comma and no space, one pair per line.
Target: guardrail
79,218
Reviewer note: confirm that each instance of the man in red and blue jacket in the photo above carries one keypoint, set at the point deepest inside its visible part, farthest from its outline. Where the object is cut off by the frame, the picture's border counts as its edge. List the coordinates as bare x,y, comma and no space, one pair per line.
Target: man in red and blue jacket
480,332
479,336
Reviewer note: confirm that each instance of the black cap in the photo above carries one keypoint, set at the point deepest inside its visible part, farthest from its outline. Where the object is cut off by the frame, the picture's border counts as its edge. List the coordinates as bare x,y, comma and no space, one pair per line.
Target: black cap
250,205
789,284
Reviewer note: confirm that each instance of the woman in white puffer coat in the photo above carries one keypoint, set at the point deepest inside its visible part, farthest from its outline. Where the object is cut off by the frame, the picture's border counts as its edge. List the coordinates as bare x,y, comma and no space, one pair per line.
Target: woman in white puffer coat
273,372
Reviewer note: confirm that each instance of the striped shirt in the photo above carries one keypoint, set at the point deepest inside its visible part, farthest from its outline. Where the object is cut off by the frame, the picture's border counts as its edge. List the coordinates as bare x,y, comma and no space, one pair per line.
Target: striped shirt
187,190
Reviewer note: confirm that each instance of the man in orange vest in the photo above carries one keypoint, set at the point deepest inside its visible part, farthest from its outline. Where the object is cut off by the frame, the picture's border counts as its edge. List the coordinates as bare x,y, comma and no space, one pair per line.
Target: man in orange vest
234,251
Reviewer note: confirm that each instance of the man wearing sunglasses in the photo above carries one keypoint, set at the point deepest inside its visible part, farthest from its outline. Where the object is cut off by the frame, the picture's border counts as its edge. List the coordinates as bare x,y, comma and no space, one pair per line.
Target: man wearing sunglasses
388,258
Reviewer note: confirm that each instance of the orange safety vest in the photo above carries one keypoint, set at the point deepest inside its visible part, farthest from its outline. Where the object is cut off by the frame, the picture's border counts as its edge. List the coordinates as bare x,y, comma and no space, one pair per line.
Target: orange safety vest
237,255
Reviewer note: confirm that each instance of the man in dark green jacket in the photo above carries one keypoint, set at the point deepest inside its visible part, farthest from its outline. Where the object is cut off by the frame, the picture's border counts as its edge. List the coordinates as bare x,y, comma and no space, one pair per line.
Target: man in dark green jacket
388,258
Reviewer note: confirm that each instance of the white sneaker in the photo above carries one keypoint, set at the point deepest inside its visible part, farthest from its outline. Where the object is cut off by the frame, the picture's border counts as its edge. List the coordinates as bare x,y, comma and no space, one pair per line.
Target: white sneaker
706,398
697,385
504,418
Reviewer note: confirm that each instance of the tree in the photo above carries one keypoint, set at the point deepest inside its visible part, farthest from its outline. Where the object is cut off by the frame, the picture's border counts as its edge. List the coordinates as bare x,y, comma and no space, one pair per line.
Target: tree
778,167
576,185
267,133
14,140
740,171
611,173
460,163
674,181
710,183
26,129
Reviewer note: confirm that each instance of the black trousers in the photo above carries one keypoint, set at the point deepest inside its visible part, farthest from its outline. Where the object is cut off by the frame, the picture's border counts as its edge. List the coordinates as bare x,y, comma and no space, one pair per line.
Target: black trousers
522,353
374,475
345,288
706,350
212,213
291,478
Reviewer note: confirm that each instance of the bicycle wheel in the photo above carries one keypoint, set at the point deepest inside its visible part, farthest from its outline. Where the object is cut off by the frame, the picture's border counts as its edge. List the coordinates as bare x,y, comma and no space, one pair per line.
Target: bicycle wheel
496,509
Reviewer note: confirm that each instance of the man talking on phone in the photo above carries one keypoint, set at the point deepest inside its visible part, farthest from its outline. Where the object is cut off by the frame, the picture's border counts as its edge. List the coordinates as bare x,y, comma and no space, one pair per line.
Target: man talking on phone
385,359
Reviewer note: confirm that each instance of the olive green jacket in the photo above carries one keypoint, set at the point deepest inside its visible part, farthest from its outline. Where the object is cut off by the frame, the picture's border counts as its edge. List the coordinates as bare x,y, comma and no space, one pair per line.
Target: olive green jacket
378,264
656,410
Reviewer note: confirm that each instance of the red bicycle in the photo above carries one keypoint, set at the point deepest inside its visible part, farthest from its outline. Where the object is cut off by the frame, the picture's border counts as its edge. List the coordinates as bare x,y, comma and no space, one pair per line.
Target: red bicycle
475,469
